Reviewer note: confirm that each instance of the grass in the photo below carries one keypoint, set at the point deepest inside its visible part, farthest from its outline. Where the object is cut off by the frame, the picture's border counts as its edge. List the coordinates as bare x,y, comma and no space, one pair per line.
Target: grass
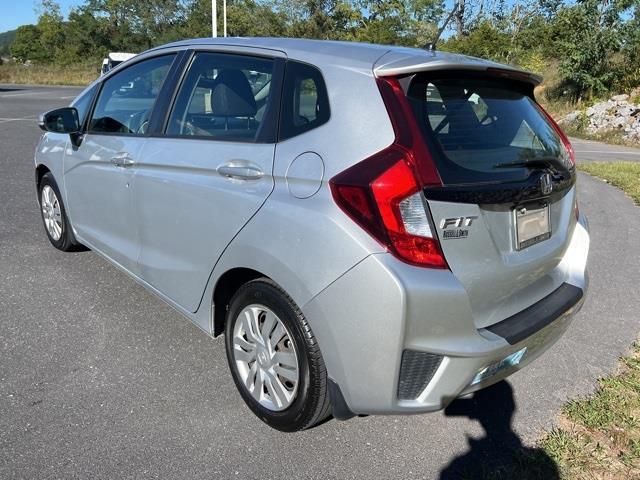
11,72
599,436
624,175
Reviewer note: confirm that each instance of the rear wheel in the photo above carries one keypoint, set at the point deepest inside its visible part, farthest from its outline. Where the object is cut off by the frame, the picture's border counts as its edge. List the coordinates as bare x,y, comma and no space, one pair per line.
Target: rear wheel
54,216
274,358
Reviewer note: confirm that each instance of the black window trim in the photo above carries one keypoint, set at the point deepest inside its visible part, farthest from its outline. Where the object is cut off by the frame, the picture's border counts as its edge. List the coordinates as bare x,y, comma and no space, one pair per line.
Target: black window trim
177,54
272,113
326,91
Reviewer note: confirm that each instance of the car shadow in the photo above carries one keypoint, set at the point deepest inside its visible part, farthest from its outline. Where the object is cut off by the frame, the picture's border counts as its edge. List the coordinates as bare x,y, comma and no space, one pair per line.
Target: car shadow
10,89
499,454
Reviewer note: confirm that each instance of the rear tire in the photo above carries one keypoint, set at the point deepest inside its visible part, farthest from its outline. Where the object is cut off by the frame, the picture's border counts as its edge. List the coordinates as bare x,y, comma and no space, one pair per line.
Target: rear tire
263,326
54,216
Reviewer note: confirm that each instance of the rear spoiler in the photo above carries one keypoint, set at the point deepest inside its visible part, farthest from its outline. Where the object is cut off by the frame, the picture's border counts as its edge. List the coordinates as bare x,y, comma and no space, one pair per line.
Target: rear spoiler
398,62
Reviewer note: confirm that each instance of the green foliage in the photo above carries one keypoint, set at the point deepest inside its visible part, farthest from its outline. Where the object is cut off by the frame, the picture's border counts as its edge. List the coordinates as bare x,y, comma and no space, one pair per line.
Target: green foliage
27,45
6,39
590,47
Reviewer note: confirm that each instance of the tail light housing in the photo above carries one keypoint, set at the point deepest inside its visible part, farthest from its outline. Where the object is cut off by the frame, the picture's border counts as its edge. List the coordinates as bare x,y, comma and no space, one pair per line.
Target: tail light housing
383,193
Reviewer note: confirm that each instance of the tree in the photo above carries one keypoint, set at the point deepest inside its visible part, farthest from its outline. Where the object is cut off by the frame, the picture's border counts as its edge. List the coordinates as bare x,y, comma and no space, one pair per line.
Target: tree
52,31
27,44
587,37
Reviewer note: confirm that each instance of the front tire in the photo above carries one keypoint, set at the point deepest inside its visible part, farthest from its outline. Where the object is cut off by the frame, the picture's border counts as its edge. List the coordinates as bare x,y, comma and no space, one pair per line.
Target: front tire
54,216
274,358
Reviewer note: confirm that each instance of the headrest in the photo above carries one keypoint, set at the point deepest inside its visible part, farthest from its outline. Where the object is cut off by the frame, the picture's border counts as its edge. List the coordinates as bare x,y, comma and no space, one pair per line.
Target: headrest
232,95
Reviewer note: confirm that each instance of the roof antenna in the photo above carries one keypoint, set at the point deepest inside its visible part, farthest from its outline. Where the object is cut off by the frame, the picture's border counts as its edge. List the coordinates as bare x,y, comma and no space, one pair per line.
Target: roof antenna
431,46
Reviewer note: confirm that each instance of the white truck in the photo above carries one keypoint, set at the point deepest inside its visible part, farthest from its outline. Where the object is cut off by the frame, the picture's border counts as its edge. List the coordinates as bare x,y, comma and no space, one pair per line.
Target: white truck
114,59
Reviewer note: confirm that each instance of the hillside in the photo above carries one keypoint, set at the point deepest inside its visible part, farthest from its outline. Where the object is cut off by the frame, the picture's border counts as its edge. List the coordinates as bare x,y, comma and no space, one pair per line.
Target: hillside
5,40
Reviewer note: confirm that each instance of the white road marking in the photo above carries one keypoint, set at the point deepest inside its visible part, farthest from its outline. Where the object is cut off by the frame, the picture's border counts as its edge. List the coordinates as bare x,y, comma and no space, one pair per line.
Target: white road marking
32,119
23,94
48,94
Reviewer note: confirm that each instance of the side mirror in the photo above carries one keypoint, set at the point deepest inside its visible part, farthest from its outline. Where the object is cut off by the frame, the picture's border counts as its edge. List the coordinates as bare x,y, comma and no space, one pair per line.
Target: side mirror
60,120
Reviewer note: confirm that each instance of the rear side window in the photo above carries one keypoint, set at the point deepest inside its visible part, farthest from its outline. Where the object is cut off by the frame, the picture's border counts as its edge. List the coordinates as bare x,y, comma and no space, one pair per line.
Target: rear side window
126,99
223,97
305,104
483,129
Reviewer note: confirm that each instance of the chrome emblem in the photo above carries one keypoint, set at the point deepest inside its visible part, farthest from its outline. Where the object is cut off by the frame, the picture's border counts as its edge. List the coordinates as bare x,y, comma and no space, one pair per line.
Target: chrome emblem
546,184
456,227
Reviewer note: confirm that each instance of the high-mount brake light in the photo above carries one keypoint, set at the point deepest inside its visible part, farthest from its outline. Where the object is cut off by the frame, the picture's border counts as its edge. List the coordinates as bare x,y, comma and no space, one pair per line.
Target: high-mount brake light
383,193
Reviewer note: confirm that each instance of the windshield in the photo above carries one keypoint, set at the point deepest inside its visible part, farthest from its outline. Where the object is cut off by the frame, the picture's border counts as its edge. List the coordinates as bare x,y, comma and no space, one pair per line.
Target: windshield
483,129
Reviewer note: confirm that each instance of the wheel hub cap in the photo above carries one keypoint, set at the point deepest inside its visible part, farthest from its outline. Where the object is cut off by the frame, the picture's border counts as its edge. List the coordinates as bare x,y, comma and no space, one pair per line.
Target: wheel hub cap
51,212
265,357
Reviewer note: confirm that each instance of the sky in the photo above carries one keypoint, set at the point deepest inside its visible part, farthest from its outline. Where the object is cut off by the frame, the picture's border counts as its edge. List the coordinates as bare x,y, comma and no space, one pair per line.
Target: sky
14,13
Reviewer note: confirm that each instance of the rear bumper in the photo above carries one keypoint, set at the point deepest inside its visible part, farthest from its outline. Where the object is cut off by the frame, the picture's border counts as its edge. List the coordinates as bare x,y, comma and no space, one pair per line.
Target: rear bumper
382,308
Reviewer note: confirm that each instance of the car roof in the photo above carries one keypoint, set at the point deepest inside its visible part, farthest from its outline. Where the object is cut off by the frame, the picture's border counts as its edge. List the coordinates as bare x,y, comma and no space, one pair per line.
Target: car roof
383,59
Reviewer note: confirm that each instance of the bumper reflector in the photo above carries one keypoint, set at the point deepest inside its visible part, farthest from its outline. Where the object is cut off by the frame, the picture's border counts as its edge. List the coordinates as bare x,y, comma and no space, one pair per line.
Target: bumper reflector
507,362
416,371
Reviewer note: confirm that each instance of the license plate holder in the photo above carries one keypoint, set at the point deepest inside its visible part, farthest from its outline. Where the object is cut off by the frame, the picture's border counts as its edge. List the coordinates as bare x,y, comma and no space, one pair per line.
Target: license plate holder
533,225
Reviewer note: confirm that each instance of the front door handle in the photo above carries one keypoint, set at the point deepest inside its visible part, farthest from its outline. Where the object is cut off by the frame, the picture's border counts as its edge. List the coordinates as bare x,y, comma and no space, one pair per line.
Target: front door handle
240,171
123,159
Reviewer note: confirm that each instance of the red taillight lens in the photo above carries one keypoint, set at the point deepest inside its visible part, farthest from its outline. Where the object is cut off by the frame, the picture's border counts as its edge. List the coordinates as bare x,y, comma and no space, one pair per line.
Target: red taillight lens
383,193
561,134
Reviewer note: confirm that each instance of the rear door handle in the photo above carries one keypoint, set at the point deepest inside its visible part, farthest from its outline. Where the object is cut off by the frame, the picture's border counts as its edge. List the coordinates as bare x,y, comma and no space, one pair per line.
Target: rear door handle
240,171
123,159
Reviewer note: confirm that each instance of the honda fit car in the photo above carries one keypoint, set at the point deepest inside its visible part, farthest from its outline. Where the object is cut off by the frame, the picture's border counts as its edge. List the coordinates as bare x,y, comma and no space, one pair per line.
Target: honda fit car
375,230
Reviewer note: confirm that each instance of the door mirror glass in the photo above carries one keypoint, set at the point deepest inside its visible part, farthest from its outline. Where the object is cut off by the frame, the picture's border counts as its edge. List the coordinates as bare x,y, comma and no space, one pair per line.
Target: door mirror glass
61,120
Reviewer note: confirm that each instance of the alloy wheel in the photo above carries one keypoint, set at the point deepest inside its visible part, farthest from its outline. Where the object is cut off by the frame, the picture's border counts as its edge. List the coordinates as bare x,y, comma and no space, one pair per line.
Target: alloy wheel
51,212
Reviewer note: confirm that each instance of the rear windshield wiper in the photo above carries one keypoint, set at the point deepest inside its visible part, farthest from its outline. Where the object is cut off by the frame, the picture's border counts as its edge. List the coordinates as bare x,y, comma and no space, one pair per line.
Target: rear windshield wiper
541,162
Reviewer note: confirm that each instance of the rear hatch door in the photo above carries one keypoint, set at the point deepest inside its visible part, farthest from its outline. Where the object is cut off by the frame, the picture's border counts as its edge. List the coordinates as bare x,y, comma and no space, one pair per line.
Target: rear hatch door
505,213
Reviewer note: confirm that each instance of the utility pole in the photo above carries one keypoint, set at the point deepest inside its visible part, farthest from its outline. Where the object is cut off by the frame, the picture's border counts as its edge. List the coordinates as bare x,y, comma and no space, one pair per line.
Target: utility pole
224,16
214,19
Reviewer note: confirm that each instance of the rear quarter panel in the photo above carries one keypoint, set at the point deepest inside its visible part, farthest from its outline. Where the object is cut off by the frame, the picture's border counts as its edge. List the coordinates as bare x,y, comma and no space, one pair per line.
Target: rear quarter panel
304,244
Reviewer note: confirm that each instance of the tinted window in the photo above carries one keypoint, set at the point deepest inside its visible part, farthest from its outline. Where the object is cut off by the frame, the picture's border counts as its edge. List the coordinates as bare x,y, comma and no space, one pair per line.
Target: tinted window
126,99
479,124
305,104
83,103
223,97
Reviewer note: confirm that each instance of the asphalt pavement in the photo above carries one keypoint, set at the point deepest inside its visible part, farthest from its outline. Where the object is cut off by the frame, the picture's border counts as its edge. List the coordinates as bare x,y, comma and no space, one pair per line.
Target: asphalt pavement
100,379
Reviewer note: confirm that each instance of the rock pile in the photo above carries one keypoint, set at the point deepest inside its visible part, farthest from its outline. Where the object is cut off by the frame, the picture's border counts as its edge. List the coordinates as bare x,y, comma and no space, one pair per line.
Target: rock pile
617,113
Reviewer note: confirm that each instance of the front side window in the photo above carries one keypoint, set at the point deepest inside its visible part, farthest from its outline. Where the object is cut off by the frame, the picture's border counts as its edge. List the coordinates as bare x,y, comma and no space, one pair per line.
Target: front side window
223,97
83,103
127,98
305,103
485,129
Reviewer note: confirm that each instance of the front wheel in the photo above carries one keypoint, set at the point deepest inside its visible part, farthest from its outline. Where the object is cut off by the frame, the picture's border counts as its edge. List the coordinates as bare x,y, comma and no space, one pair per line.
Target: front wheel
54,216
274,358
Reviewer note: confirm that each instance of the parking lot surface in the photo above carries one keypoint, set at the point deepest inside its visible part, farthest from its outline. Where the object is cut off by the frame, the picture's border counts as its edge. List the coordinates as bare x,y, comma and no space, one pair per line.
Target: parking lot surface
100,379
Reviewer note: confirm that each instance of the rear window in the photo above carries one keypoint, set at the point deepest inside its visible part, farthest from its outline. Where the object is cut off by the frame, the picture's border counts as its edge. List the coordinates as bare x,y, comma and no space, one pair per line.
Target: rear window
479,126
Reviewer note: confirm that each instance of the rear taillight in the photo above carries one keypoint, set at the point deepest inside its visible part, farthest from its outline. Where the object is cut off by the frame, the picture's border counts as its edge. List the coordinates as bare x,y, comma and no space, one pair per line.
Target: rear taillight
561,134
383,193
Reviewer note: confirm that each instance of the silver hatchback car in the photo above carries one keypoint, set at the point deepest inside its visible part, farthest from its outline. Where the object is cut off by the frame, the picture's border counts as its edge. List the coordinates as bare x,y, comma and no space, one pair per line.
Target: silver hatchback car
376,230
